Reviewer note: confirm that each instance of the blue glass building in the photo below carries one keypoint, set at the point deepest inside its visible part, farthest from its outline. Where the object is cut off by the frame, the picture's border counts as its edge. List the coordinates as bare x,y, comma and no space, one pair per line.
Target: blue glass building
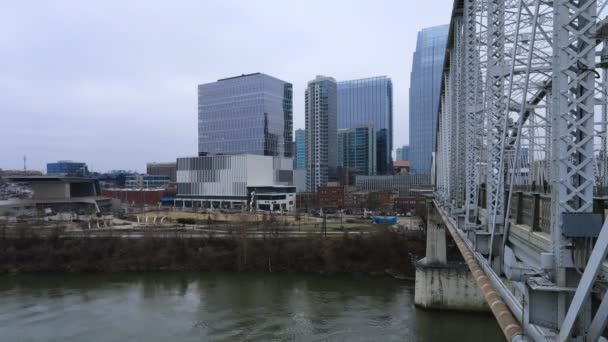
357,149
246,114
403,152
300,157
370,101
67,167
425,81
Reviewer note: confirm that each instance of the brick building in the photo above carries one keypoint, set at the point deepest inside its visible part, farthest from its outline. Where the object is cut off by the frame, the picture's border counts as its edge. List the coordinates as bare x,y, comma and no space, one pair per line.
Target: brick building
382,200
356,200
401,167
416,205
331,197
307,201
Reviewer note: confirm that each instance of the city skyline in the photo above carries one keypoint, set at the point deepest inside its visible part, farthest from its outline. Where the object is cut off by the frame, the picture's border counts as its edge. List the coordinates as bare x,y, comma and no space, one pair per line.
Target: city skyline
116,81
469,205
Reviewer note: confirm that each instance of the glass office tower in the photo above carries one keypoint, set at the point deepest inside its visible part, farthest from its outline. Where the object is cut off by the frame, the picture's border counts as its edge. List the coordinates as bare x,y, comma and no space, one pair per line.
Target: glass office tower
246,114
300,157
357,149
370,101
425,81
321,132
403,152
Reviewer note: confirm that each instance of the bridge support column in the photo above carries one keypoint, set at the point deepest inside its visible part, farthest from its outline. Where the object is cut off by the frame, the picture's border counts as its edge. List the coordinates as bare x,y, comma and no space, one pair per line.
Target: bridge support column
436,252
441,284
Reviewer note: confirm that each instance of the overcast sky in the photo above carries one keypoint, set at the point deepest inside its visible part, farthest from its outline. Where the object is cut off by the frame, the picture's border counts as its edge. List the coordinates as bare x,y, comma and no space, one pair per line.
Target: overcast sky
113,83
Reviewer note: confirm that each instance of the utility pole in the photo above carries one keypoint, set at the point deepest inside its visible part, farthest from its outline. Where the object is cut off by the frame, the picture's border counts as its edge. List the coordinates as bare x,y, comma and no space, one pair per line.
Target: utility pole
324,224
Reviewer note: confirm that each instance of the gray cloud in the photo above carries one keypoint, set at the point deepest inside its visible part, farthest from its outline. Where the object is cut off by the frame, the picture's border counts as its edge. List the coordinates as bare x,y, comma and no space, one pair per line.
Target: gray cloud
113,83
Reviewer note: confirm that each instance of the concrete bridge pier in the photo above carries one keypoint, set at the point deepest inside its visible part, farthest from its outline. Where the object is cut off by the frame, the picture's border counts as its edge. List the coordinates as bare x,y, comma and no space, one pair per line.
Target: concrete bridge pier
442,284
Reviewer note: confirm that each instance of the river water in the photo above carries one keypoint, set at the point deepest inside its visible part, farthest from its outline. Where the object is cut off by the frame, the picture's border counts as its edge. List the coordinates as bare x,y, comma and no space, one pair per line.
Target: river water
224,307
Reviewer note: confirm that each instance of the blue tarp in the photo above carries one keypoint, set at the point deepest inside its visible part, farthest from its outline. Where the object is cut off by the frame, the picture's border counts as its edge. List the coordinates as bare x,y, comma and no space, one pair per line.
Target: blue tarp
385,219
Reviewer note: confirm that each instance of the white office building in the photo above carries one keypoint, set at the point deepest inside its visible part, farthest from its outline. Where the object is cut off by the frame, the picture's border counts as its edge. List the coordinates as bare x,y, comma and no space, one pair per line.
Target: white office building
244,181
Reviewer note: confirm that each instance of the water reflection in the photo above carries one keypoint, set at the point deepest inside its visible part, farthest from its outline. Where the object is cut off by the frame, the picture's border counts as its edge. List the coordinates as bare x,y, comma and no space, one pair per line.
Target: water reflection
441,326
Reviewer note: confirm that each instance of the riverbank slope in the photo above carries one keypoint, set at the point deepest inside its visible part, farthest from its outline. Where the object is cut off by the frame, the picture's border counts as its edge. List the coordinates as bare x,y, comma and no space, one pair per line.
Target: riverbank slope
376,253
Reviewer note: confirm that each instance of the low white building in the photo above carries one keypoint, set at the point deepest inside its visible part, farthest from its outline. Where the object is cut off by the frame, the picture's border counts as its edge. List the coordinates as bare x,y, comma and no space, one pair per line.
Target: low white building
236,182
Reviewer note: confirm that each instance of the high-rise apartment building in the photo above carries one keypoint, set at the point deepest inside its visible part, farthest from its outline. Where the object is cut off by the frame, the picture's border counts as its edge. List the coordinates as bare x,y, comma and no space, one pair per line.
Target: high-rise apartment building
246,114
357,149
403,152
300,152
369,101
321,132
425,81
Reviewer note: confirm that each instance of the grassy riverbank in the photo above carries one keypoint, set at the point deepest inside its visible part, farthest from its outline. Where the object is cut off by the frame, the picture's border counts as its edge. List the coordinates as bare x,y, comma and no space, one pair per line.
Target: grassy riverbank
374,253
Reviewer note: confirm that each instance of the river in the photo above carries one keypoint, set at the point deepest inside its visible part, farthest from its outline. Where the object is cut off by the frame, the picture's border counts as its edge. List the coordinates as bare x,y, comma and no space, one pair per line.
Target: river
224,307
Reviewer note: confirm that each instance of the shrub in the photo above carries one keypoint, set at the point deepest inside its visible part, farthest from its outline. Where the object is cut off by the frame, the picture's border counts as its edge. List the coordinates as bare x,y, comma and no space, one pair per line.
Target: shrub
186,220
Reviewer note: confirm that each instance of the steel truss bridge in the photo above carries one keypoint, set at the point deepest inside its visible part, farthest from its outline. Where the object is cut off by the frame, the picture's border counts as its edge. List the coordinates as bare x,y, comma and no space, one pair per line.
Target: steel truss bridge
521,163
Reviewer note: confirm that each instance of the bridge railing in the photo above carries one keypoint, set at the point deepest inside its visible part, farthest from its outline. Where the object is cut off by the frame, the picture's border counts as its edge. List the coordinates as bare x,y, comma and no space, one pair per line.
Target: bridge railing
534,210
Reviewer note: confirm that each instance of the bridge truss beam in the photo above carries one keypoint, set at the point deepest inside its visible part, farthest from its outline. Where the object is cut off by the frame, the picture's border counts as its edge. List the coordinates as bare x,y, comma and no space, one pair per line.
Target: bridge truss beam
524,107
